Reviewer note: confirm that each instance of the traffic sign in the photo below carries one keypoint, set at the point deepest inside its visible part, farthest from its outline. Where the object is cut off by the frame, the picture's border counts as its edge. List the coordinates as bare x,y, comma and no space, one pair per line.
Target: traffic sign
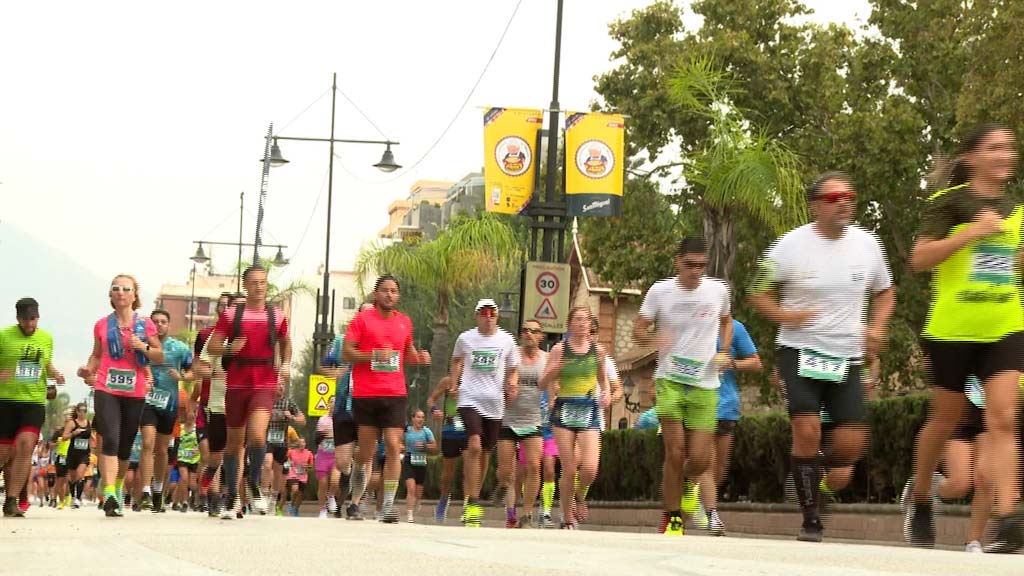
546,295
321,389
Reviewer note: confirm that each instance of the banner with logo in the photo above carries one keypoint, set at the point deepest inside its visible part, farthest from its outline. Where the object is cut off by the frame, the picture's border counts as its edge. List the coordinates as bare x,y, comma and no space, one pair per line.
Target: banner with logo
594,165
510,136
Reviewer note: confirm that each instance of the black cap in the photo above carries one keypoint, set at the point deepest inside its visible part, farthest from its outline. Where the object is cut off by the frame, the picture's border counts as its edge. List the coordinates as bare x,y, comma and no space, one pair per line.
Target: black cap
27,308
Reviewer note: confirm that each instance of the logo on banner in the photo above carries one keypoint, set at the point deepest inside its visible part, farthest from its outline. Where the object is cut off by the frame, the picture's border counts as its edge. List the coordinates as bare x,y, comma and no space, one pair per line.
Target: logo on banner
594,159
513,155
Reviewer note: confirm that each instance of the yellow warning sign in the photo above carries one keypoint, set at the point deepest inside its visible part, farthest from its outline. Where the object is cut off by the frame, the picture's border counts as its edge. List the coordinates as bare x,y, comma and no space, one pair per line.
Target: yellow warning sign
321,389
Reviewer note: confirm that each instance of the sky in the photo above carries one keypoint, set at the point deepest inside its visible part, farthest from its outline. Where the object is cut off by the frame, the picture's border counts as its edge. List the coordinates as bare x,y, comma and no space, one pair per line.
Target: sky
128,129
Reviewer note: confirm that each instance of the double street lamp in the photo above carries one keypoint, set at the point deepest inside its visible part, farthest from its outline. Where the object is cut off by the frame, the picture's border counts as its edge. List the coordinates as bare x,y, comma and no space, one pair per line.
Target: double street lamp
323,333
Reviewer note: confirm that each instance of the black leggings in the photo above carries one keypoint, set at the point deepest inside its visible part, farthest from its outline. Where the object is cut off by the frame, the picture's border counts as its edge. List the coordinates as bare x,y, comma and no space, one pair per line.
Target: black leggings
117,421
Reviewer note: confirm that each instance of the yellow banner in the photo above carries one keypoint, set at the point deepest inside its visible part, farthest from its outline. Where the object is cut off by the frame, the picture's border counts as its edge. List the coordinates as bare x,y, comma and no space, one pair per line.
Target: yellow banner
510,158
594,172
321,389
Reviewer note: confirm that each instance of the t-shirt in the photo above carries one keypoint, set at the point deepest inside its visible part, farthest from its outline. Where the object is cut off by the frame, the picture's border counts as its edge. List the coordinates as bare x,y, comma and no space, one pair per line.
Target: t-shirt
370,331
300,461
485,361
164,396
729,394
691,318
26,358
417,456
123,377
832,277
198,346
524,412
218,383
188,447
343,385
278,425
254,329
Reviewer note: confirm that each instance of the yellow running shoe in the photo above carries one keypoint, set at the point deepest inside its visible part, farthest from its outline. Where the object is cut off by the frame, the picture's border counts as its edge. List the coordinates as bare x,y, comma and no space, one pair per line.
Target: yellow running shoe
691,498
674,526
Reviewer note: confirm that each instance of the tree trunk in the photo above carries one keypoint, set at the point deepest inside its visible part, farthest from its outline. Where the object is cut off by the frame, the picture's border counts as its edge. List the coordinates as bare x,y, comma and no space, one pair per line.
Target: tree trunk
719,233
439,347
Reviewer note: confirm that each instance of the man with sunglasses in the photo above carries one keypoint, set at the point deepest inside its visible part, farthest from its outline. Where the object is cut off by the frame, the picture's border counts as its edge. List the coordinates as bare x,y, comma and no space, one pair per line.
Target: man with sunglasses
484,370
815,282
690,314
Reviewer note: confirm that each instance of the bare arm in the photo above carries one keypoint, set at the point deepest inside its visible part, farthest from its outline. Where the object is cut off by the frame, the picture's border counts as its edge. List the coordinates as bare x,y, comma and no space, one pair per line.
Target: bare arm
928,253
351,354
725,331
751,363
458,364
642,331
549,381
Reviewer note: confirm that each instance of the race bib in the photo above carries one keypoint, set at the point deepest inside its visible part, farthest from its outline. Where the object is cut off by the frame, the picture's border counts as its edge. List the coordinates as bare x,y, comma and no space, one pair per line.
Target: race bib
81,444
576,415
121,380
993,264
158,398
822,367
484,360
418,459
27,371
186,455
685,370
327,445
275,437
299,470
61,460
457,424
391,364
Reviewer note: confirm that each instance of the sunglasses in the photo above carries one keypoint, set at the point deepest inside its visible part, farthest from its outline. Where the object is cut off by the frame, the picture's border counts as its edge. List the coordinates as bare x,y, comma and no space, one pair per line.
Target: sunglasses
122,289
530,330
488,312
833,197
695,265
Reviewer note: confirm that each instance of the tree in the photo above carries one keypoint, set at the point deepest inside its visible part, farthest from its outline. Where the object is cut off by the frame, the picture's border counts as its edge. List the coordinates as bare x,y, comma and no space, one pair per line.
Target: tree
462,257
55,410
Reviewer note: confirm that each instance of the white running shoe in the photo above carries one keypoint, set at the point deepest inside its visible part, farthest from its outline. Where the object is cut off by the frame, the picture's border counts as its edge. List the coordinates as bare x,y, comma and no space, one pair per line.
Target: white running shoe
259,503
974,547
323,513
411,519
332,504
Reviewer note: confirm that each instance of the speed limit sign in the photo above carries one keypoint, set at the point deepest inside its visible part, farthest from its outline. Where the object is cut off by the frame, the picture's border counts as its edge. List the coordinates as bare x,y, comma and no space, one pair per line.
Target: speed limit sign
547,283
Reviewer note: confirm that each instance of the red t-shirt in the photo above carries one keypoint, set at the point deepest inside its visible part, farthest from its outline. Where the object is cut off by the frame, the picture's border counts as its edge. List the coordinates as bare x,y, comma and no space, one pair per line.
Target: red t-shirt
371,332
254,328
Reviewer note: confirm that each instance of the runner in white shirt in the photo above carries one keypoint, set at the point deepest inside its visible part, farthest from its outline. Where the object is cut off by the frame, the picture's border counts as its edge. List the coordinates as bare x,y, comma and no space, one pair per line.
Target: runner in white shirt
815,282
484,370
689,312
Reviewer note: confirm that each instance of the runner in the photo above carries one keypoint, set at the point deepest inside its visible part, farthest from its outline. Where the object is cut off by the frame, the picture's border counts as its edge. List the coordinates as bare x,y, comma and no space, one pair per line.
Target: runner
300,461
521,424
61,461
284,413
132,475
453,441
971,238
211,369
744,357
572,368
243,335
78,432
160,414
484,371
188,462
417,442
327,475
201,393
824,273
26,353
549,460
42,463
378,344
344,425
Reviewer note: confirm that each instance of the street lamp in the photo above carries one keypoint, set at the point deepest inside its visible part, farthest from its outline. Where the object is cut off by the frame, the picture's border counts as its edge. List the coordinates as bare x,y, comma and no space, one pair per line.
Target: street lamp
199,257
323,333
507,309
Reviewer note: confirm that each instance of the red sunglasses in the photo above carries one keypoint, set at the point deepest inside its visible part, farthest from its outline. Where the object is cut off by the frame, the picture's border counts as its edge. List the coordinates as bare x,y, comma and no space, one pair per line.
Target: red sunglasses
833,197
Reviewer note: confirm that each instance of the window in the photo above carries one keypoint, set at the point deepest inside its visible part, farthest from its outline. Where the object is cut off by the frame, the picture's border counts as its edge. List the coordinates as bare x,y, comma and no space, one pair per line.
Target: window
348,303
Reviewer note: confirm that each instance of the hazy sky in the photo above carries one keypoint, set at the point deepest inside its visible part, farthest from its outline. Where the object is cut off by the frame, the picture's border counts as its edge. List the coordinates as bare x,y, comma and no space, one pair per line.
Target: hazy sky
128,130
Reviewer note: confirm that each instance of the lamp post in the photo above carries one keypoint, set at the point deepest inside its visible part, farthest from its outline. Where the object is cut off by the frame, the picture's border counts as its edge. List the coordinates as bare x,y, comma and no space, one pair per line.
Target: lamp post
507,309
323,333
279,260
199,257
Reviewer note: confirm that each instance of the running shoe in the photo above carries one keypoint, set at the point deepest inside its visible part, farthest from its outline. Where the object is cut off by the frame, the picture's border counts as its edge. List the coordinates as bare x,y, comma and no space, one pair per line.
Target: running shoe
1009,535
441,512
919,525
474,514
390,516
568,526
332,504
323,513
112,508
511,523
292,511
24,505
700,516
11,509
546,521
76,503
183,509
811,531
691,498
352,512
158,503
410,519
715,525
146,502
527,522
974,547
674,526
226,509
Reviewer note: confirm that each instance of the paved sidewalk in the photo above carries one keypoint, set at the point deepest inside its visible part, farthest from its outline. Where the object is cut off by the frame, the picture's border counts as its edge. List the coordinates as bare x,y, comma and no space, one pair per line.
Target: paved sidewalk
83,542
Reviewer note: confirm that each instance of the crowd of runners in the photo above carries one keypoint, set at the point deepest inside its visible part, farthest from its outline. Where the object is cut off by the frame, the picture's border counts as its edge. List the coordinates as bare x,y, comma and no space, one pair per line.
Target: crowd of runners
231,447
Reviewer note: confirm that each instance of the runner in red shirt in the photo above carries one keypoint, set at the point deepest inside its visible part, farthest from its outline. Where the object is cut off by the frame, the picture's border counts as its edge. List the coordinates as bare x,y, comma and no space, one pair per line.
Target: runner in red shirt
252,375
378,344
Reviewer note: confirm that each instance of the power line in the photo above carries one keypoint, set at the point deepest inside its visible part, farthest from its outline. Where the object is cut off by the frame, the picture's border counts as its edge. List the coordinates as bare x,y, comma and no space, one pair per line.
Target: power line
363,114
304,110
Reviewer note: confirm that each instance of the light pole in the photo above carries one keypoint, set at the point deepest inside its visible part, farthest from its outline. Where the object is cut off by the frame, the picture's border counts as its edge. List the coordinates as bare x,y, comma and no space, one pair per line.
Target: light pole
323,333
508,310
199,257
279,259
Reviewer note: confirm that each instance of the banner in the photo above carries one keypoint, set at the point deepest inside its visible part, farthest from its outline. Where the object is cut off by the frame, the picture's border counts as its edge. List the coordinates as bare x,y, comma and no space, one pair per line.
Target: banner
594,165
510,136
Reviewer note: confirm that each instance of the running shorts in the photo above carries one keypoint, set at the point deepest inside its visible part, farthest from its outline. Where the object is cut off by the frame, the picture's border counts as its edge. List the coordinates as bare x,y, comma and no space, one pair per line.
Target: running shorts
844,401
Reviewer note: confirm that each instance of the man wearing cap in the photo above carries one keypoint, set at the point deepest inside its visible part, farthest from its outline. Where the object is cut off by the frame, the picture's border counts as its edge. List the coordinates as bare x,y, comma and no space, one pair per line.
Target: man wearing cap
26,352
485,367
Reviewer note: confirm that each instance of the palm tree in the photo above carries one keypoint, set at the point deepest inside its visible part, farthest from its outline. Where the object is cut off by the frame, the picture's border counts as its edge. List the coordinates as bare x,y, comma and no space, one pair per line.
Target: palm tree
736,168
464,256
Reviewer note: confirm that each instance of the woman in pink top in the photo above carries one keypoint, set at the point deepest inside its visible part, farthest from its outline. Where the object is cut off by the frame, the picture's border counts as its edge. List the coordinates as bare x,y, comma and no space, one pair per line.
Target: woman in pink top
124,344
300,461
327,475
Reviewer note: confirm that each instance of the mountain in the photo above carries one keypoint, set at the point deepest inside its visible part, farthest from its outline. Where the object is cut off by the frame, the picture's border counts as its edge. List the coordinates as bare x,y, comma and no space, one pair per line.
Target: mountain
71,298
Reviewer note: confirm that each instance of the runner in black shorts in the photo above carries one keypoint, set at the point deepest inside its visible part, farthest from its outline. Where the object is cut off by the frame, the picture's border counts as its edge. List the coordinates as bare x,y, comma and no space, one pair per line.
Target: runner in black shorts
378,345
345,430
285,413
453,441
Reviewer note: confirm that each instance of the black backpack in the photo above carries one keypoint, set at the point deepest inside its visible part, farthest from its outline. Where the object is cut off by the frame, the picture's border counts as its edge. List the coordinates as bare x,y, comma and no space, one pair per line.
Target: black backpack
236,329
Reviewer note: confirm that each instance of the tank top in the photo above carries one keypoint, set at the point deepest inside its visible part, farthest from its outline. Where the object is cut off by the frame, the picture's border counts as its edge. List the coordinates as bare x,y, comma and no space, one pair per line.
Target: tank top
524,411
579,372
80,439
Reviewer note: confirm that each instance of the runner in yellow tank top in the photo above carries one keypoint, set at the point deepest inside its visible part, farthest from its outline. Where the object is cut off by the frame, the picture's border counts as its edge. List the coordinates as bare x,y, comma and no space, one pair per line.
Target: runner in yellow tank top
971,240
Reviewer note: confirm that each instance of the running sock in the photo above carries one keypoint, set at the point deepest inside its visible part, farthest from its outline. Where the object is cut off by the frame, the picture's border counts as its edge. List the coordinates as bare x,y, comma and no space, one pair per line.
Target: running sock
109,491
231,473
576,483
586,490
510,513
390,488
807,477
548,495
207,478
119,487
147,490
158,486
824,487
254,458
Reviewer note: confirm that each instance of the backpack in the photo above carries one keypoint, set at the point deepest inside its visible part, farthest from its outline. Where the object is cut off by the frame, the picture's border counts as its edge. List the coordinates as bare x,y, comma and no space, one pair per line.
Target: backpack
236,330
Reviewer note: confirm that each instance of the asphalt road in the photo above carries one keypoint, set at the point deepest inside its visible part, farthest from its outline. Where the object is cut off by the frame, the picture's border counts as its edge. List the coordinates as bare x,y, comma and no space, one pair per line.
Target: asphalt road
82,542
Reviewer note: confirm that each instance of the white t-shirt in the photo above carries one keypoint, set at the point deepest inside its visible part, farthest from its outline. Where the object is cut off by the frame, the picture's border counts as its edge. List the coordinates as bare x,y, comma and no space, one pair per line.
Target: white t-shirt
833,277
218,382
692,319
485,360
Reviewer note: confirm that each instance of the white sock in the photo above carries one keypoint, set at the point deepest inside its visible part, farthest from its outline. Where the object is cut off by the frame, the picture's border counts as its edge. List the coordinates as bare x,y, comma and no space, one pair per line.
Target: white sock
158,486
146,490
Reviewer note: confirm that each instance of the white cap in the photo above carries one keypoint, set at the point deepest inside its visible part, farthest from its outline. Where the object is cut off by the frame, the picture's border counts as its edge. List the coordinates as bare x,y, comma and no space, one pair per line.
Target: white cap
485,303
